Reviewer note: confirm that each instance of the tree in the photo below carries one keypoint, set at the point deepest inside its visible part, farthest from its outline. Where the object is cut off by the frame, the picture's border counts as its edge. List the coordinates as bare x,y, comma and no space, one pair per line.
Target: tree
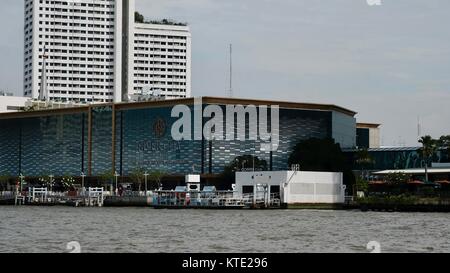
444,143
363,159
4,180
67,182
156,177
242,163
362,184
47,181
429,147
137,175
322,155
398,178
138,18
106,178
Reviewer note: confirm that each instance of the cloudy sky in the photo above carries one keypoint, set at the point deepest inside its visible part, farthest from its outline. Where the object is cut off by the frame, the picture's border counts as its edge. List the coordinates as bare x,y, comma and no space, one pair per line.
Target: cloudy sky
390,63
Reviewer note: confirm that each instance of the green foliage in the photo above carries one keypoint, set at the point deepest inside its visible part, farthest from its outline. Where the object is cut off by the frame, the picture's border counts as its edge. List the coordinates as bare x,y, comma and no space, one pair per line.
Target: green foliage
240,163
138,18
166,22
137,175
67,182
362,184
444,143
429,147
402,199
398,178
322,155
155,178
428,191
46,181
318,155
107,177
4,179
363,159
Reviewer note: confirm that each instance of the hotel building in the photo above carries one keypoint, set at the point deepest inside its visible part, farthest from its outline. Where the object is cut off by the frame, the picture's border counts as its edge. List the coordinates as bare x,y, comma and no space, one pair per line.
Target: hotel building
93,51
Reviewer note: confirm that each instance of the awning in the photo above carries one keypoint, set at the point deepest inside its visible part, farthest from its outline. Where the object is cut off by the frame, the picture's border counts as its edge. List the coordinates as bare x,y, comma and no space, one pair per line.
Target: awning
416,182
377,183
415,171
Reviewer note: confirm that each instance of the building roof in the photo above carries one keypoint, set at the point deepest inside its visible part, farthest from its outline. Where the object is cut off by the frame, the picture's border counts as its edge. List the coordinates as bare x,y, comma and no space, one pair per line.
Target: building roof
368,125
393,149
163,27
387,149
414,171
186,101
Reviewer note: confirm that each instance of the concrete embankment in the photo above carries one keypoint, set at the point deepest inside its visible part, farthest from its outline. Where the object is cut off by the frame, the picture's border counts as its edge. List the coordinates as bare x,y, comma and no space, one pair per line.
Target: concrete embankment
406,207
405,204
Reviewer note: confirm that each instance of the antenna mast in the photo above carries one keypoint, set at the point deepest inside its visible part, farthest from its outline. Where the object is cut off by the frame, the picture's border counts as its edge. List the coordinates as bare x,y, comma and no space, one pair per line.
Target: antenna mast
419,127
43,94
231,70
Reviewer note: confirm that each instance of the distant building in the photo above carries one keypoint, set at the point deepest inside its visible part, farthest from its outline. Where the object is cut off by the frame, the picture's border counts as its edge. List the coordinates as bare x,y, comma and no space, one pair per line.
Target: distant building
293,187
396,158
9,103
97,139
83,51
162,60
368,135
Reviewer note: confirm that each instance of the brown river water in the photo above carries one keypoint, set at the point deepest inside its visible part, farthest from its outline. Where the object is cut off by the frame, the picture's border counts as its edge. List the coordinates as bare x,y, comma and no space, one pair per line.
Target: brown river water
112,230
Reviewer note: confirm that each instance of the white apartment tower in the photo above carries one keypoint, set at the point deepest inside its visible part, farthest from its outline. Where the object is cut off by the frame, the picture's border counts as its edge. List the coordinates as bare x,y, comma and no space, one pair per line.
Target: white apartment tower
88,50
162,59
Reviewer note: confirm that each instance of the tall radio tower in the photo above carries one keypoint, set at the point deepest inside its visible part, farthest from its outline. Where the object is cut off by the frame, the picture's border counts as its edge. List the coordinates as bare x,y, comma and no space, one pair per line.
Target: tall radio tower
419,128
231,71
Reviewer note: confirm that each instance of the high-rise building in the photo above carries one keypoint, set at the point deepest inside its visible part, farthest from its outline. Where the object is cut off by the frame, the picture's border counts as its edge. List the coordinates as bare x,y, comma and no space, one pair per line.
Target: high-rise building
162,59
83,50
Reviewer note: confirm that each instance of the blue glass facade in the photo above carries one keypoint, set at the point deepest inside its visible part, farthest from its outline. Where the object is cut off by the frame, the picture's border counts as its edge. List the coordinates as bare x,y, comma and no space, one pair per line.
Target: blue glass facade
101,140
71,143
140,144
43,145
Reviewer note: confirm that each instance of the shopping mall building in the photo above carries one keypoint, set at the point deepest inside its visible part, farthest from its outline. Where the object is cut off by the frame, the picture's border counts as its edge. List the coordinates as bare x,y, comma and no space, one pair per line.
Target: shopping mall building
108,138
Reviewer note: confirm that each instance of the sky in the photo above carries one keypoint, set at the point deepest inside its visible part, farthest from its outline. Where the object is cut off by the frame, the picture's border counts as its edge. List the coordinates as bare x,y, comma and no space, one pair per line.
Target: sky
390,63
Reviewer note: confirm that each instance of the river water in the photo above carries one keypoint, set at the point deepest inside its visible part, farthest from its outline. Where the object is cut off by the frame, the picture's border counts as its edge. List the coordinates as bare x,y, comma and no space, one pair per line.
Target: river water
49,229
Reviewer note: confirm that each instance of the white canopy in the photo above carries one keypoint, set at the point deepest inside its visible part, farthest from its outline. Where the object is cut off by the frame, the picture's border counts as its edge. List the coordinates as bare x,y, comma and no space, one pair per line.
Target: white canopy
415,171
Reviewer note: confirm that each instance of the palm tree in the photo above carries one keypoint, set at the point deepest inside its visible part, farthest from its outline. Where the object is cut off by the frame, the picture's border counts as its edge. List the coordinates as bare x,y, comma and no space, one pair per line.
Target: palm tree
429,146
444,143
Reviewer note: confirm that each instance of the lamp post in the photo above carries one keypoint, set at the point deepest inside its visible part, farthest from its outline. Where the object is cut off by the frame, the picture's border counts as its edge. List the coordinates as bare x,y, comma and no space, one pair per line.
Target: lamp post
51,182
21,177
145,176
116,175
83,176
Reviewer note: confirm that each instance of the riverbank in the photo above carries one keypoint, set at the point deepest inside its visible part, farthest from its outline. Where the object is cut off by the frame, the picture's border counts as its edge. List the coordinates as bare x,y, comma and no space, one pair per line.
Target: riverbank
373,203
404,204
